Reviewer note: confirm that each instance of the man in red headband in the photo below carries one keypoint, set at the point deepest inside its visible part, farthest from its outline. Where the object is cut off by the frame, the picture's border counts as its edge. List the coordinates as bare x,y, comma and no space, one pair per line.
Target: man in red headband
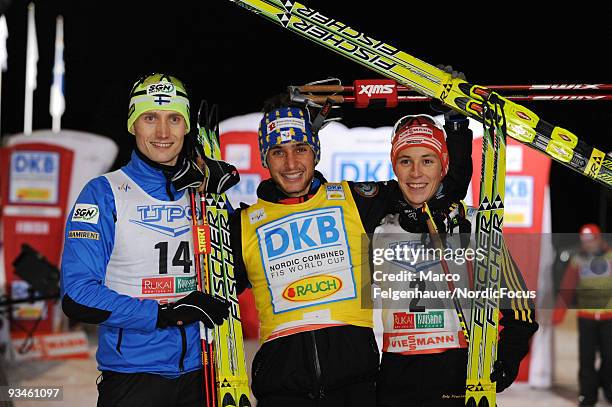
424,348
419,156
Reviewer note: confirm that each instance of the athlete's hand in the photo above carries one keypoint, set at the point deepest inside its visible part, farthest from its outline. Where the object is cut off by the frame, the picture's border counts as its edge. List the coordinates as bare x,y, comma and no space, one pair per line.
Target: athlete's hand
449,69
412,219
197,306
504,373
220,175
189,175
202,165
438,107
415,219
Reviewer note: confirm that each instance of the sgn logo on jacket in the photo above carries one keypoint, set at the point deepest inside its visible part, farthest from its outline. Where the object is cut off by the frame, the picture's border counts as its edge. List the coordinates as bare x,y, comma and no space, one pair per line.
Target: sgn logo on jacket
87,213
169,220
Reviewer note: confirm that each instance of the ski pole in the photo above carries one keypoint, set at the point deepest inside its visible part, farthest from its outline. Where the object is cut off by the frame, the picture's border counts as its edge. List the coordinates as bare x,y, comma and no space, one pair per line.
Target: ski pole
558,86
365,93
340,99
435,238
201,234
402,88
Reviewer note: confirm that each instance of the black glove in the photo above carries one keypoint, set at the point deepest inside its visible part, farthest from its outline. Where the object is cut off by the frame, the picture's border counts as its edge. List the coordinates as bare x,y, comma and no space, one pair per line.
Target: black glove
513,345
221,176
449,69
437,106
189,175
415,220
197,306
217,177
504,373
441,203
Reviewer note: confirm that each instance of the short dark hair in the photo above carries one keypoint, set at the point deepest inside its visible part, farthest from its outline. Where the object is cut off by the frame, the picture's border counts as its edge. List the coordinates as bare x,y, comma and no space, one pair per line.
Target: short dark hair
280,100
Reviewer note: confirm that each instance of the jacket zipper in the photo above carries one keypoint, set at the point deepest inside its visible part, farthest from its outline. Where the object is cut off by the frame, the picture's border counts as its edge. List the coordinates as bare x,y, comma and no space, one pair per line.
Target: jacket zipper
119,339
183,349
318,388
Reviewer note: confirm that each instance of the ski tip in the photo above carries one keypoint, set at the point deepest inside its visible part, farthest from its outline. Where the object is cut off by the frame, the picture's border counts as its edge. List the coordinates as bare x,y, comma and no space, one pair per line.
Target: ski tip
244,401
228,401
484,402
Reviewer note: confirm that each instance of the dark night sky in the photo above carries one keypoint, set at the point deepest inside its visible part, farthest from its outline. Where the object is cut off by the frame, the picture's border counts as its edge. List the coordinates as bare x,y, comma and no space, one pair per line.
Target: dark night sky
236,59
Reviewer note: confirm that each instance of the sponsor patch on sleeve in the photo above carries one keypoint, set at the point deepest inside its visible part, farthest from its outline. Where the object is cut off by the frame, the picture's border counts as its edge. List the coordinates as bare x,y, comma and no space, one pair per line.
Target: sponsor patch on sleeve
334,191
83,234
366,189
86,213
257,215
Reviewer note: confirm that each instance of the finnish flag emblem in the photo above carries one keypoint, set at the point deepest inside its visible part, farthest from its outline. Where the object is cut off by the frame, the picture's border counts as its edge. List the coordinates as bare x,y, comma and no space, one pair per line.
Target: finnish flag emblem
162,99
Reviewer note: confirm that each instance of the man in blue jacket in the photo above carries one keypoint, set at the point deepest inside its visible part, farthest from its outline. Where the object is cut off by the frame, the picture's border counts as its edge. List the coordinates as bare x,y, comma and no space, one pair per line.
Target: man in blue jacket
127,262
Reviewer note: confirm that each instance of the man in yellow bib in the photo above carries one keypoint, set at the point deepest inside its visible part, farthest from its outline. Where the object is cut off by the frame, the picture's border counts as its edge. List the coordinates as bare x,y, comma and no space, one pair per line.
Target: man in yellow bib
304,249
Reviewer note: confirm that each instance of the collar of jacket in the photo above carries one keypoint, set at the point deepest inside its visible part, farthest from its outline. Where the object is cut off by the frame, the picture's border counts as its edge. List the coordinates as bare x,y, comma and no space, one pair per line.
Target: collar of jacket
152,177
269,191
167,170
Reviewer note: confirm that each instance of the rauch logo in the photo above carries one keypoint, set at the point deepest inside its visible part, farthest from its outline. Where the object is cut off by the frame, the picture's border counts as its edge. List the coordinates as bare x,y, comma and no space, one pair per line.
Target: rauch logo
312,288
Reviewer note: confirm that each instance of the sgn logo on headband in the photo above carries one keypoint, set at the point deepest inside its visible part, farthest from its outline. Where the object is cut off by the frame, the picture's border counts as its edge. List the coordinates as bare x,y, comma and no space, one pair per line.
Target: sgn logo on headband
161,87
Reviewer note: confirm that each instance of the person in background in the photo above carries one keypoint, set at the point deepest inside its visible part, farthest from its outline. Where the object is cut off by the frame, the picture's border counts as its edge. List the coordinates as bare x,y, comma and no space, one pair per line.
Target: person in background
588,283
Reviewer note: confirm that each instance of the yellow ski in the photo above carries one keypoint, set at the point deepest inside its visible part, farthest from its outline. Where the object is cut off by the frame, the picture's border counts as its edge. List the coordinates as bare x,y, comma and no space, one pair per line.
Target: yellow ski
522,124
231,376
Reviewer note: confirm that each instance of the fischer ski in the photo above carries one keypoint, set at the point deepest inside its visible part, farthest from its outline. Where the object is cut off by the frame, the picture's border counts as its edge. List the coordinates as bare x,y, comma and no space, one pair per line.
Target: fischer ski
521,123
232,383
482,351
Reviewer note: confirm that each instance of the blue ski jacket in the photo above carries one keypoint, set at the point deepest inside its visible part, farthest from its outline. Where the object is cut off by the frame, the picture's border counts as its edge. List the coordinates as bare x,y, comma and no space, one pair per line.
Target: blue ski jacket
129,341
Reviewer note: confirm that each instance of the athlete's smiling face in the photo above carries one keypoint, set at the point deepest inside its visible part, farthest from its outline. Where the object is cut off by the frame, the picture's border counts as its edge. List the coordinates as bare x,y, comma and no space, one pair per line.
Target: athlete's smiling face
419,173
160,135
292,167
